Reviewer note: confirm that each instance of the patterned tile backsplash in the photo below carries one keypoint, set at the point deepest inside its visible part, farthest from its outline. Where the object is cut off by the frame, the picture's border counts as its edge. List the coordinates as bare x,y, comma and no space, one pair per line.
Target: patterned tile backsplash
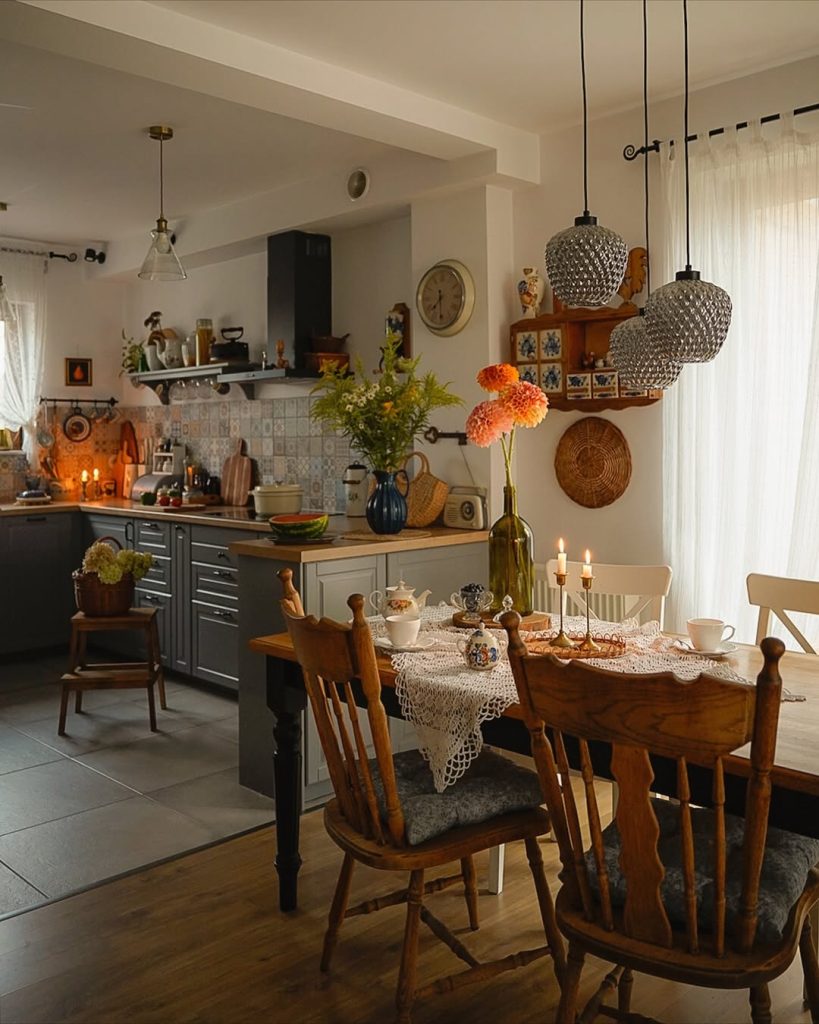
281,438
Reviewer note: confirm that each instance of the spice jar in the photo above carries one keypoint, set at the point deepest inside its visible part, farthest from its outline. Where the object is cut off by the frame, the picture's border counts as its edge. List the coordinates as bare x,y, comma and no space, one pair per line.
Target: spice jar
204,336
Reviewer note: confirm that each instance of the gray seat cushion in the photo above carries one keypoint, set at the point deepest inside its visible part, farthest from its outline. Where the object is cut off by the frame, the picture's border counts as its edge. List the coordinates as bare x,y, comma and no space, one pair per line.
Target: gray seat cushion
788,859
491,786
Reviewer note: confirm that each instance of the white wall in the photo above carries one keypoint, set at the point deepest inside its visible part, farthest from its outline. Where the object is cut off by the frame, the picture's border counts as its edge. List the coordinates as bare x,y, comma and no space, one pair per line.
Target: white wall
630,530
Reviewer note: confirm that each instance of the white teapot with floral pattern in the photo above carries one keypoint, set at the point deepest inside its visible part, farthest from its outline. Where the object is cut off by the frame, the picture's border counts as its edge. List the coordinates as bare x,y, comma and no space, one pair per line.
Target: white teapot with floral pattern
399,600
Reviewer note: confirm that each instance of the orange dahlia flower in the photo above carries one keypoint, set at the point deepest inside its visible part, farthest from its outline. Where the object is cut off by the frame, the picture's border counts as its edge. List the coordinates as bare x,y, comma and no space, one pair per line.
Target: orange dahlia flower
487,422
525,403
498,377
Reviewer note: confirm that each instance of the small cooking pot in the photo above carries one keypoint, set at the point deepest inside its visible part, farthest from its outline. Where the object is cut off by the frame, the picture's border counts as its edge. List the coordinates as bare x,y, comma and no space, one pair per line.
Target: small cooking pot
77,426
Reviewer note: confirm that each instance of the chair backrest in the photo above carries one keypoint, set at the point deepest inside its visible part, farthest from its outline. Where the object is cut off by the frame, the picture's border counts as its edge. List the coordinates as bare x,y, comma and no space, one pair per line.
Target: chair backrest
646,586
332,655
698,721
780,595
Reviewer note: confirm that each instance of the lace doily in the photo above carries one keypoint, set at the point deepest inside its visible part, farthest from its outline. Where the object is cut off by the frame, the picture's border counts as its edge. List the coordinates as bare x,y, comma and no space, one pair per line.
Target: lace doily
448,702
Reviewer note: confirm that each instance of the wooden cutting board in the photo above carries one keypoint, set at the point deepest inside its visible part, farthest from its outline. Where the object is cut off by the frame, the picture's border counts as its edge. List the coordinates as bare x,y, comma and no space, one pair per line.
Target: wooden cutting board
236,476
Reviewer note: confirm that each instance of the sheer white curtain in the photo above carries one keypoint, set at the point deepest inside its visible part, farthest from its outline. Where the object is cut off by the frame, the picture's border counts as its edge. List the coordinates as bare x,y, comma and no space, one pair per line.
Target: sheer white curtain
741,434
23,345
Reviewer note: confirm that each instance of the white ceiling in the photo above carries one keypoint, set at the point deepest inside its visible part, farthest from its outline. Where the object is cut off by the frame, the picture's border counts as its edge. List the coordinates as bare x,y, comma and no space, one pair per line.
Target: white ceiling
517,61
77,165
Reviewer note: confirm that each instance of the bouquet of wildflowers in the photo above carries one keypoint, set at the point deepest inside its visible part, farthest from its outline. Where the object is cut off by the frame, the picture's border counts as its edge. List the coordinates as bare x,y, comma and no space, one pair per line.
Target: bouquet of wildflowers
518,404
382,416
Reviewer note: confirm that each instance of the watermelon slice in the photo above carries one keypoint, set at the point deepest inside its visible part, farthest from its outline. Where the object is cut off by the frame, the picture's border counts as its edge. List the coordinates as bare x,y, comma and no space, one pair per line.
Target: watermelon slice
302,524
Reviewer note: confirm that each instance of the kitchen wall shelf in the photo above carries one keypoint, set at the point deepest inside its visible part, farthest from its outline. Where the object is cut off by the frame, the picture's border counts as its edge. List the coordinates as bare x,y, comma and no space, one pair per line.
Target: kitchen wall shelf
245,376
555,351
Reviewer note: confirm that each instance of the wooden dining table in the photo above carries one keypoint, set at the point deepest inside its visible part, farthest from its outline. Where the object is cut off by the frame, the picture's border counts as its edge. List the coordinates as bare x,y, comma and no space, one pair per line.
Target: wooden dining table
795,777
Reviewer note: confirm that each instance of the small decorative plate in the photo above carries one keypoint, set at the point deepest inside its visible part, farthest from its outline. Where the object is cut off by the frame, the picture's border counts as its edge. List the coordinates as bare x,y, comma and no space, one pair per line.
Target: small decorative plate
423,644
33,501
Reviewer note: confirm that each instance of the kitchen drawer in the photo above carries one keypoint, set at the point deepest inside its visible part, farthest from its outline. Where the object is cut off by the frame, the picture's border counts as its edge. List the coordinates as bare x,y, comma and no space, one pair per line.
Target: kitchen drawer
216,644
153,537
215,583
164,605
209,544
158,577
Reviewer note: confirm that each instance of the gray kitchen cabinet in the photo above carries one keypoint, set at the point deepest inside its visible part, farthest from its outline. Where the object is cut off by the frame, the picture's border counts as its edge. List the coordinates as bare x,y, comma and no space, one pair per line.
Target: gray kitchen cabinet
324,587
39,553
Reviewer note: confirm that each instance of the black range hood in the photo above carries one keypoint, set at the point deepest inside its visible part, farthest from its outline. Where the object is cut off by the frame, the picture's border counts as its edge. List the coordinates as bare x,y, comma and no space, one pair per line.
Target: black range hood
299,296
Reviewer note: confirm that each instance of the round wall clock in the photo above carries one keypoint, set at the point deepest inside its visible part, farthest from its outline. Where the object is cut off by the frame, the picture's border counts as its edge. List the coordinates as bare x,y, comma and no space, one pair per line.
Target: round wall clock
446,297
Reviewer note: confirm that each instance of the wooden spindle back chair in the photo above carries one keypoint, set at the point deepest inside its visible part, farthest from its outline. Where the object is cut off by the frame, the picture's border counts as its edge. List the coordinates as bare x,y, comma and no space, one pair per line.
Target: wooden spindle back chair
779,595
615,906
645,586
367,821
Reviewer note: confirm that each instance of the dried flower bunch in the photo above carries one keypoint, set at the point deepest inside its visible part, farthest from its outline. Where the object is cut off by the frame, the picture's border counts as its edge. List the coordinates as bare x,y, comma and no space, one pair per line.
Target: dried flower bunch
112,565
381,416
518,404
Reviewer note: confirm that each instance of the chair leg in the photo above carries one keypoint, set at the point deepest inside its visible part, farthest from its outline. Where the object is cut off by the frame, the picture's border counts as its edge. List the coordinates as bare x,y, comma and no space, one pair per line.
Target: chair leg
151,706
337,910
761,1005
155,657
624,990
810,968
78,701
470,891
63,709
407,975
567,1009
547,909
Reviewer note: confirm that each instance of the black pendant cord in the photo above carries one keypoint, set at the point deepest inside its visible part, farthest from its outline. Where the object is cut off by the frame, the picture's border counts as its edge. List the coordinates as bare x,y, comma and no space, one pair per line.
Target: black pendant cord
585,115
687,187
645,141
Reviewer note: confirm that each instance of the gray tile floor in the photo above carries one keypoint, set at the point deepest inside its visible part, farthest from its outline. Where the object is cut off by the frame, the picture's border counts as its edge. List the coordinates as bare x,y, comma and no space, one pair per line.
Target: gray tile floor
111,796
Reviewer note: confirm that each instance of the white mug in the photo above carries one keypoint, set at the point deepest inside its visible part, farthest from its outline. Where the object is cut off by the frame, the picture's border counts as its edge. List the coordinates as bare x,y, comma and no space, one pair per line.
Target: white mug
403,632
708,634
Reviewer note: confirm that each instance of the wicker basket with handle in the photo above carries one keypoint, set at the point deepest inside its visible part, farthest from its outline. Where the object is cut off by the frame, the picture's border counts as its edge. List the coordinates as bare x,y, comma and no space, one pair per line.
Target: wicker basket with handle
427,494
103,600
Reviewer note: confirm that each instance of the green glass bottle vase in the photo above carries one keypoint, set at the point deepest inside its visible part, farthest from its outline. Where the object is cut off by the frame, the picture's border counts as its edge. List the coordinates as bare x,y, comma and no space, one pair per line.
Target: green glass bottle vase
511,557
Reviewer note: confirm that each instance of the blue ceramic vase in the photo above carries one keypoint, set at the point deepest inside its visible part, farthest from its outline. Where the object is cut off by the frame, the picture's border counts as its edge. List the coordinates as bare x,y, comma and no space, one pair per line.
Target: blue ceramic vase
386,507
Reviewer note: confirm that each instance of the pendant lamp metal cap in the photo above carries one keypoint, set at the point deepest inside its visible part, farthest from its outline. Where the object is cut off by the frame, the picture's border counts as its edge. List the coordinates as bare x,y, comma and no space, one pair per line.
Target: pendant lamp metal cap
586,219
687,275
161,132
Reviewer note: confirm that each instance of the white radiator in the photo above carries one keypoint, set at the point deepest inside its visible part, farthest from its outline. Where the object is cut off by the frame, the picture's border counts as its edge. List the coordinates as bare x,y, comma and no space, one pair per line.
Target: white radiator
609,607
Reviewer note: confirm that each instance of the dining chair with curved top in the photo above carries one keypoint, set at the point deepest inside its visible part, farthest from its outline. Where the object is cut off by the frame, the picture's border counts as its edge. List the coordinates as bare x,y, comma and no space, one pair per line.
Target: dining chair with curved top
643,587
778,595
387,815
686,893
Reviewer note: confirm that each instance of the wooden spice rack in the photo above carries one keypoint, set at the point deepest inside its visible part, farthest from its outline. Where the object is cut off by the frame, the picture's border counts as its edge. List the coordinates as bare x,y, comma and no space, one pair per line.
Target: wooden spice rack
553,351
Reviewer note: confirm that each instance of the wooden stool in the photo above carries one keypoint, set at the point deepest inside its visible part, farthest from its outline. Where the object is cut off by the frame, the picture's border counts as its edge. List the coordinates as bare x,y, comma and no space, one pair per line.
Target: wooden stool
132,675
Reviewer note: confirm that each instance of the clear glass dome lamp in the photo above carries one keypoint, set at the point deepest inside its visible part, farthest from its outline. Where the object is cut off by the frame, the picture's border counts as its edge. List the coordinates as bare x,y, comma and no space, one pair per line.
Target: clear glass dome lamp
161,263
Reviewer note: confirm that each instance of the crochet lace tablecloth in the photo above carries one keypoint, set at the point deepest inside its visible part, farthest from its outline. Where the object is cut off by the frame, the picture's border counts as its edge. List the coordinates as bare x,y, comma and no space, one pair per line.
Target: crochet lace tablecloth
447,702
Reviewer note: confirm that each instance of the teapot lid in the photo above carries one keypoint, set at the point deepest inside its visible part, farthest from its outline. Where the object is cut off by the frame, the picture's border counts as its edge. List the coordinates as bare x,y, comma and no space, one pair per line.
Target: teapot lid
401,588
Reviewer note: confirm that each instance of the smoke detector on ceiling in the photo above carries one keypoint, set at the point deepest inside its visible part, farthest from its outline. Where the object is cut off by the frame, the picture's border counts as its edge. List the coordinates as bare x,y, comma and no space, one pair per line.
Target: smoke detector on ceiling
358,184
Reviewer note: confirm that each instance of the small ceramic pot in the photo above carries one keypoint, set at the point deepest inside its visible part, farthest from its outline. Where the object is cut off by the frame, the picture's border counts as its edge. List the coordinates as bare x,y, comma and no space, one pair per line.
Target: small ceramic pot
480,650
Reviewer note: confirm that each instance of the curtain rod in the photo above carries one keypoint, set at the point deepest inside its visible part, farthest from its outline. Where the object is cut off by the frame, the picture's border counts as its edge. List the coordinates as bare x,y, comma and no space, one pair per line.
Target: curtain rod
70,256
631,153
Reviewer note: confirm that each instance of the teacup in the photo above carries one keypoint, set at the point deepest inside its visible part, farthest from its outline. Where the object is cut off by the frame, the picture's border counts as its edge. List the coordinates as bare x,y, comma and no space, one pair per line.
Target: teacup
403,632
472,599
708,634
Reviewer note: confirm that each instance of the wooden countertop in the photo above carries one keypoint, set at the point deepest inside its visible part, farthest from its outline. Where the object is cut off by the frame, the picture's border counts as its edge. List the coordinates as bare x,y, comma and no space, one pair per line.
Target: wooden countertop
125,507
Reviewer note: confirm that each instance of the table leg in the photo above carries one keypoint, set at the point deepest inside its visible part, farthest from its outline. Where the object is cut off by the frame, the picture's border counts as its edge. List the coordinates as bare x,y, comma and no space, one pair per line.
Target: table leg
287,699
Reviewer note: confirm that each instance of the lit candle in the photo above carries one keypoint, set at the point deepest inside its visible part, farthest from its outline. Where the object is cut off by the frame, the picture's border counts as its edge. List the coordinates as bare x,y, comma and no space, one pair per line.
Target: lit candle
84,476
561,558
96,476
586,572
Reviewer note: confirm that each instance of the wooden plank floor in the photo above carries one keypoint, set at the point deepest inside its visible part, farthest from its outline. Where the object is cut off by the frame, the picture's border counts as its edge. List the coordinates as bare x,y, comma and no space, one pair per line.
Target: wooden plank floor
201,940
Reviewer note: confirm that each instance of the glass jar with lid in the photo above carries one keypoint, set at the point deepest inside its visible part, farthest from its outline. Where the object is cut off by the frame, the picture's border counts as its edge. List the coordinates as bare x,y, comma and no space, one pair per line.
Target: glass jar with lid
204,337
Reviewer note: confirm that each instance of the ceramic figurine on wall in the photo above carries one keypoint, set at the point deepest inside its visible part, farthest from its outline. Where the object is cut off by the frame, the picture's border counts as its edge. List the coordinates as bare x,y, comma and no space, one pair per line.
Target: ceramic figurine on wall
530,292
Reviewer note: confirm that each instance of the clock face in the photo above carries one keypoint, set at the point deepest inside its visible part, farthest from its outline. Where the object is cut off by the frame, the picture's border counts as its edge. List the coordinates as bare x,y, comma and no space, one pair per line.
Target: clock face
445,297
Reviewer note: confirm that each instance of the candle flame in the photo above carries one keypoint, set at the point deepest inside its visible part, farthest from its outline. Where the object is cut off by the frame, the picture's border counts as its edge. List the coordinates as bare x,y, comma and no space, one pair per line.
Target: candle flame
588,556
560,545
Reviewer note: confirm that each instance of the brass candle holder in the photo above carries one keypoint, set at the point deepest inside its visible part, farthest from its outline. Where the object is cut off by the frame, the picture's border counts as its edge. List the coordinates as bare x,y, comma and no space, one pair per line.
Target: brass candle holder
561,640
83,490
587,643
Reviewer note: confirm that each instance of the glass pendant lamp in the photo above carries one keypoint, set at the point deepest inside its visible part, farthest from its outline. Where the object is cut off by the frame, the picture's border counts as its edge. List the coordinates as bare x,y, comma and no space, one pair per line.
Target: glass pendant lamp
585,263
161,263
688,319
640,364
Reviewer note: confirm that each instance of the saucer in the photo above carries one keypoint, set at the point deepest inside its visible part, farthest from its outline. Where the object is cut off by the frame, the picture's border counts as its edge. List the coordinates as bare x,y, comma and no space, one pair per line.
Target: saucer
386,644
683,647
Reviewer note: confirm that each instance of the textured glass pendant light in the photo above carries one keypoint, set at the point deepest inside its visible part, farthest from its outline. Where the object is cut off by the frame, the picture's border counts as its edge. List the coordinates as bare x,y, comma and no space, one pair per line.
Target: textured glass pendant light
161,263
640,364
585,263
688,318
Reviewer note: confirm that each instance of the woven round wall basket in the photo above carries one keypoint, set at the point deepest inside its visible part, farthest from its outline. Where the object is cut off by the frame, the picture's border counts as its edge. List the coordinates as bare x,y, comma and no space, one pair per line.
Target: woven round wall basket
593,462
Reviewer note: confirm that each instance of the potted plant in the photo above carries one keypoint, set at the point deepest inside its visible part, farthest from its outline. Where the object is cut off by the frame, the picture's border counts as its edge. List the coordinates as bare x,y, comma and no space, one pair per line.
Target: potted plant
382,416
104,586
